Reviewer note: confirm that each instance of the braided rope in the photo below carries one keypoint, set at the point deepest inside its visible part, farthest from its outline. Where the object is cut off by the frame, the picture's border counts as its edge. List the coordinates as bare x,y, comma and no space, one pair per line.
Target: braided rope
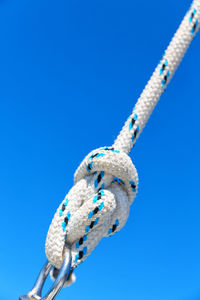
106,182
159,79
96,206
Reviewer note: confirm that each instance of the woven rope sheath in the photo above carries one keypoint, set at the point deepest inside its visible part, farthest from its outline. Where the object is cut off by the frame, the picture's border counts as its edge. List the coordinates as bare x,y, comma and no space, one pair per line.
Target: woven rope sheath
159,79
96,206
106,182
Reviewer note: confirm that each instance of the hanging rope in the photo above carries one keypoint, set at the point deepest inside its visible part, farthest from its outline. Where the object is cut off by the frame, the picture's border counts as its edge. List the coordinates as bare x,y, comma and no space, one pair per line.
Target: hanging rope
106,182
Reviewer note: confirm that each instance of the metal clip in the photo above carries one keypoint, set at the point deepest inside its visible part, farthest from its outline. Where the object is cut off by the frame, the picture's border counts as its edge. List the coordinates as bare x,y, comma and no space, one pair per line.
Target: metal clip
63,276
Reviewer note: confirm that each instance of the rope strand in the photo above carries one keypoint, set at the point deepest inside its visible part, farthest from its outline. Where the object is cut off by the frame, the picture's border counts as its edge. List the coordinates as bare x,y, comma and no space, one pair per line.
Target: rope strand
106,182
159,79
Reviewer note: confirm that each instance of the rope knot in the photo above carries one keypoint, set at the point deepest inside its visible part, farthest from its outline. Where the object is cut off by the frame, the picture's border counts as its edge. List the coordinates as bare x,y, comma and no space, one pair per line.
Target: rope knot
96,206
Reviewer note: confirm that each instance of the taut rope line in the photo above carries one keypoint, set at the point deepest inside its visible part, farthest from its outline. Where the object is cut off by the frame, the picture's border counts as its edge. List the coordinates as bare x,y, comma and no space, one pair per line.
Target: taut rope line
106,182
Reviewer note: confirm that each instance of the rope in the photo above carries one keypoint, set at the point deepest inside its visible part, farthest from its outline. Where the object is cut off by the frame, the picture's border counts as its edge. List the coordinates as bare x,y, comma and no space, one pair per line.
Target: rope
106,182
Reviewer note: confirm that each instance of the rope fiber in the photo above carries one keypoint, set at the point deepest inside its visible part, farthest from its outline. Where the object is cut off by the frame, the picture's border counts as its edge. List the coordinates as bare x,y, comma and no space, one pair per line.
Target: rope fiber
106,182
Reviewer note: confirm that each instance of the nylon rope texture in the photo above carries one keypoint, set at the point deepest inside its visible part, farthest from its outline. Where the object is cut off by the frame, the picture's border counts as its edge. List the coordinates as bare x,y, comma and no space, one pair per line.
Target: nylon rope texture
106,182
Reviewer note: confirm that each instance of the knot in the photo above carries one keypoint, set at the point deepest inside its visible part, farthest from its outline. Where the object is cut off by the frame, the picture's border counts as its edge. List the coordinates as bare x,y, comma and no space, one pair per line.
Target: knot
96,206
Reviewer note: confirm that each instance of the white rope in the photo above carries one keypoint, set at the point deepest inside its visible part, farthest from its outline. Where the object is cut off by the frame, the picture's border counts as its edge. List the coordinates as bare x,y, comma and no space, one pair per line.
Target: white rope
106,181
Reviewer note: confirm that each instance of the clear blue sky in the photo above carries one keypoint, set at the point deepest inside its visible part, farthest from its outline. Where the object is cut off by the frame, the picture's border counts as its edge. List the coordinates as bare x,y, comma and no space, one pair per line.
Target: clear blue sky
70,74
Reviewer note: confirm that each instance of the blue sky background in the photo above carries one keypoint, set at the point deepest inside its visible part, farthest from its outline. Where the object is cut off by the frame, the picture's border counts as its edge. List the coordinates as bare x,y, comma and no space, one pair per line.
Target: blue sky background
70,74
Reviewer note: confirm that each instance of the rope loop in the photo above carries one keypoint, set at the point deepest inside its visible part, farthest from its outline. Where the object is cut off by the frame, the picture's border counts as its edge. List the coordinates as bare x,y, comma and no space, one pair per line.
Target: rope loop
97,205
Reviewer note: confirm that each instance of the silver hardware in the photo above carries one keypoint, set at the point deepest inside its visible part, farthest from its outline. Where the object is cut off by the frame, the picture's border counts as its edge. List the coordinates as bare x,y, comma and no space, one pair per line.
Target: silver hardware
63,275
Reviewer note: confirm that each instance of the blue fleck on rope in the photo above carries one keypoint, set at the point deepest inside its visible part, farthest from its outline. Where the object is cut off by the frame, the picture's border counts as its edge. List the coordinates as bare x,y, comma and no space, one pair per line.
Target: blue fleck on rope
63,207
81,241
98,179
66,220
92,224
81,254
114,227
